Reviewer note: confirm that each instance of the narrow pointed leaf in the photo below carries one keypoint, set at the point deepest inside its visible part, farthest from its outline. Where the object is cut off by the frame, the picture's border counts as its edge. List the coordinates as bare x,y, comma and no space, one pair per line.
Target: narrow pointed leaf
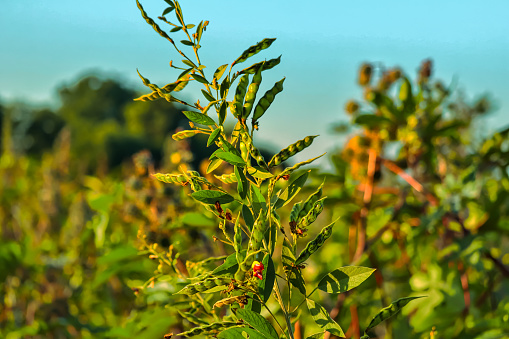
291,191
213,136
389,311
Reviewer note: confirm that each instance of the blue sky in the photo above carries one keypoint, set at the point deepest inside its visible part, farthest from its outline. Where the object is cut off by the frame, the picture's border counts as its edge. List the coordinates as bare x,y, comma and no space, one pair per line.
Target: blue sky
45,43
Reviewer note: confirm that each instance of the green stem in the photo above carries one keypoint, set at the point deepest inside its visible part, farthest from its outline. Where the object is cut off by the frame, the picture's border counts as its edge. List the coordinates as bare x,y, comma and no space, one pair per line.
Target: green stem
285,313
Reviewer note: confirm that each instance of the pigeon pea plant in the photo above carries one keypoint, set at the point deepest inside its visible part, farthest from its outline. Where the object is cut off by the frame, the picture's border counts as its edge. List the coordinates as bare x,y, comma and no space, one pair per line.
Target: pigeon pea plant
246,206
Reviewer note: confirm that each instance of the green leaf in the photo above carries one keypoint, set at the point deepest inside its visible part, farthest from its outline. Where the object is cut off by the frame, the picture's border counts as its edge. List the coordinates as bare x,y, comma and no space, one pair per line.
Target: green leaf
199,31
186,42
291,191
389,311
266,285
258,172
265,43
220,71
210,197
240,332
316,335
200,79
175,29
199,118
168,10
344,279
213,136
258,322
222,113
189,63
248,217
371,120
213,164
197,219
184,73
189,26
242,184
231,158
323,319
230,265
207,95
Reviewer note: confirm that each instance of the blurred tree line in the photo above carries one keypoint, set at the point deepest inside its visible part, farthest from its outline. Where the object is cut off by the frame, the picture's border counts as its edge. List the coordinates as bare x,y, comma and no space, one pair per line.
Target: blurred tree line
106,125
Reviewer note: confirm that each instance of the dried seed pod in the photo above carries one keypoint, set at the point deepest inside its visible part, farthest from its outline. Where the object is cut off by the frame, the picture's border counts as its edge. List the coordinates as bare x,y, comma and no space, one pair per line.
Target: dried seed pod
204,285
266,100
315,244
213,328
240,93
239,299
291,150
365,74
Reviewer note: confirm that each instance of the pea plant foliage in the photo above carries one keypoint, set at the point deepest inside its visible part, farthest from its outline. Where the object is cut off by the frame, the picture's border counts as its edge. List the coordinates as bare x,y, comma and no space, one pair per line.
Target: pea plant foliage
245,296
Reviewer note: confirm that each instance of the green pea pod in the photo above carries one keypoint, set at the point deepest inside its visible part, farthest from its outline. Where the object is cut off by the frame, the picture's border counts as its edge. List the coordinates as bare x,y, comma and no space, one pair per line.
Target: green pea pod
291,150
310,201
227,178
266,66
251,93
238,299
172,87
184,134
311,215
266,100
237,240
240,93
153,24
265,43
211,329
255,153
204,285
387,312
257,234
315,244
176,178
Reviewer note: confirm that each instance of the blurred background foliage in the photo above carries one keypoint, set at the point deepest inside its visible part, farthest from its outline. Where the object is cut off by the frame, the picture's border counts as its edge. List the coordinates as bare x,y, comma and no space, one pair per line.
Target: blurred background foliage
422,196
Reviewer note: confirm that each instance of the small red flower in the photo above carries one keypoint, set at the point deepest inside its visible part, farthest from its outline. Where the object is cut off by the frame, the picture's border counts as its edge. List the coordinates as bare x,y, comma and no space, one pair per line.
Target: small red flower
258,268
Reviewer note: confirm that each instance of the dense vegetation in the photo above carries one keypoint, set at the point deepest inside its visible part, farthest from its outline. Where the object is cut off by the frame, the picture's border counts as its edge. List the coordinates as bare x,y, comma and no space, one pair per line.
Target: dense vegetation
92,245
